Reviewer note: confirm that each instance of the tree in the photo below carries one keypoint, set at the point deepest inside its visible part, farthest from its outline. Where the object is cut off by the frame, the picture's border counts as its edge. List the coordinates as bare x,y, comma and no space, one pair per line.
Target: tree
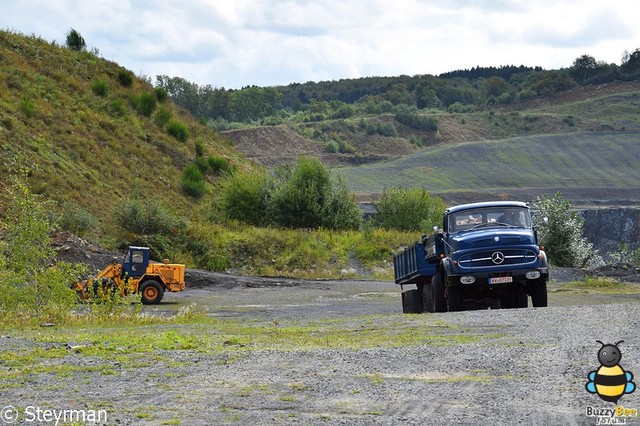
562,236
495,86
631,62
245,197
31,283
583,68
412,209
75,41
306,196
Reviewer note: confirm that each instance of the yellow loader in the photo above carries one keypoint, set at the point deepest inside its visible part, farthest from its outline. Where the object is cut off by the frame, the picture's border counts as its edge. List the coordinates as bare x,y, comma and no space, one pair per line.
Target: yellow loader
135,274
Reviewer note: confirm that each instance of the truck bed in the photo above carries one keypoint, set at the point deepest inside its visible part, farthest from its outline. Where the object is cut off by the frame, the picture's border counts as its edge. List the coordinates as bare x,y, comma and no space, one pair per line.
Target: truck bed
411,264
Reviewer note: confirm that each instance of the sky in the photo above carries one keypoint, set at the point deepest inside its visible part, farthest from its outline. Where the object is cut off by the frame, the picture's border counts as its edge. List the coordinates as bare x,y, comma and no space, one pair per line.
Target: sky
237,43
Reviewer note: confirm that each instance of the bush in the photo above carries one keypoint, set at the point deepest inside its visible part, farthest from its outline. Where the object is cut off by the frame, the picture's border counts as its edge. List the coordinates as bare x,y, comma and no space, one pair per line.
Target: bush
31,285
77,220
410,118
99,88
218,164
28,108
75,41
562,237
144,104
308,197
125,78
387,129
178,130
245,197
146,217
161,94
162,117
408,210
199,147
332,147
117,108
193,182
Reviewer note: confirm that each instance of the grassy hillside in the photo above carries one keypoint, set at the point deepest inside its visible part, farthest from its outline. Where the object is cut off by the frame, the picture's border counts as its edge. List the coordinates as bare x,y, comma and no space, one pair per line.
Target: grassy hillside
78,123
579,160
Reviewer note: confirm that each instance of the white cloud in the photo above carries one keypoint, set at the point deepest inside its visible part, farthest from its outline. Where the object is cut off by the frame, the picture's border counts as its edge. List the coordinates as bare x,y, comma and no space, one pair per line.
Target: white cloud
244,42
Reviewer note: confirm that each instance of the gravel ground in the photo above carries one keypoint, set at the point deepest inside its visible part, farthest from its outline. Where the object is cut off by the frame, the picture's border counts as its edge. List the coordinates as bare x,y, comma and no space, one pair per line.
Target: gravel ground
523,366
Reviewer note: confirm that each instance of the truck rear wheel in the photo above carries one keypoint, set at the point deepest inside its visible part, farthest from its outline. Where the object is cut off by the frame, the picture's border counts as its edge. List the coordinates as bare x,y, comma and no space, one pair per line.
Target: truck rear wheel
539,294
427,298
152,292
411,302
439,302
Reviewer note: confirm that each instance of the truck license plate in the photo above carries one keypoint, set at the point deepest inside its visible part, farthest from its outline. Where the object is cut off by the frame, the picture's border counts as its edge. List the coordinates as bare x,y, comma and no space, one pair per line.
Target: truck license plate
500,280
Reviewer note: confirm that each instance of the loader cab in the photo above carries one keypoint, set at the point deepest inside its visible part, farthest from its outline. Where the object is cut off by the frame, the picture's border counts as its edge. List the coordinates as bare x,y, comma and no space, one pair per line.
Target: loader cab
136,261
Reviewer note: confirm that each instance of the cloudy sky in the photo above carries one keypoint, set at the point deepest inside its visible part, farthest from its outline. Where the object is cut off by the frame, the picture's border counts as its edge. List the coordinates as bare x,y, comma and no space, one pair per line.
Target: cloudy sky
235,43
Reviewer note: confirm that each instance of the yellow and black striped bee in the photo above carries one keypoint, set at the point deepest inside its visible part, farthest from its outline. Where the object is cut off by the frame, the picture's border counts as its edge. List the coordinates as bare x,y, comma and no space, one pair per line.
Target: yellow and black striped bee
610,381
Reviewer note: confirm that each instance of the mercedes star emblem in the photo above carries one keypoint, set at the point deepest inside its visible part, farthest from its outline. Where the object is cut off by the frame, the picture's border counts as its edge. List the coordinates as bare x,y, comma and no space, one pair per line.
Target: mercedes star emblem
497,257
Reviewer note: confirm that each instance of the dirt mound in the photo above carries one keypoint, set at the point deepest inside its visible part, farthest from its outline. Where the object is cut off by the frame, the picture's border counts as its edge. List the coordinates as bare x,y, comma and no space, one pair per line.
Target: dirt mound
273,145
70,248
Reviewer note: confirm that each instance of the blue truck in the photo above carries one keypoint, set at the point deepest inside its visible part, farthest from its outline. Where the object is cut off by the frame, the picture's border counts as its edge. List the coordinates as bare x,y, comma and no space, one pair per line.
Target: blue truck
485,255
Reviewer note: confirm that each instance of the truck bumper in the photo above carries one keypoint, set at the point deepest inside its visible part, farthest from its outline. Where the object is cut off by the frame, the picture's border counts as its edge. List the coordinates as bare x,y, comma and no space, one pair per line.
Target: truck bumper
498,279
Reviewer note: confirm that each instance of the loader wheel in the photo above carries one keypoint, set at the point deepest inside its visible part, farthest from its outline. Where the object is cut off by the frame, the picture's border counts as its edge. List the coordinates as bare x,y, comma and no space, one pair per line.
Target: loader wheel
152,292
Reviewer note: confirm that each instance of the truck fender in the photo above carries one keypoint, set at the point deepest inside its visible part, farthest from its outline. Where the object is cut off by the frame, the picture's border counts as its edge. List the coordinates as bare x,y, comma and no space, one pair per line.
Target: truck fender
446,267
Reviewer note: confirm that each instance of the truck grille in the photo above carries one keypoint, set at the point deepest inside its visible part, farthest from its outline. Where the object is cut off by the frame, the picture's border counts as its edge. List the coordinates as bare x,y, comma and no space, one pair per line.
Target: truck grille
497,257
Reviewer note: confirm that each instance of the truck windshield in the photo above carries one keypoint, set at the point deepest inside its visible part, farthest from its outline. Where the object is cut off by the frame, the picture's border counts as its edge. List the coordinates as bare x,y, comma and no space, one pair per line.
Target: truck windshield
489,217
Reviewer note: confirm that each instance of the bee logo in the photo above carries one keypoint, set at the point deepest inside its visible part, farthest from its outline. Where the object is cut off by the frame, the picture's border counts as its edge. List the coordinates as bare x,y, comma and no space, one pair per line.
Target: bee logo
610,381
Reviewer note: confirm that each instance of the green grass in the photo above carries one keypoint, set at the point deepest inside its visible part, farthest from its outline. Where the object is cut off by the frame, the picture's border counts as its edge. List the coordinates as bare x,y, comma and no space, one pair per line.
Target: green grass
583,160
116,348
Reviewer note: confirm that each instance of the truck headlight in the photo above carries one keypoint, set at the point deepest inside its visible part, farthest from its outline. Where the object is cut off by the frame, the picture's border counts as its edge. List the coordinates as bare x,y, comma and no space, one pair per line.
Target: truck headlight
532,275
467,279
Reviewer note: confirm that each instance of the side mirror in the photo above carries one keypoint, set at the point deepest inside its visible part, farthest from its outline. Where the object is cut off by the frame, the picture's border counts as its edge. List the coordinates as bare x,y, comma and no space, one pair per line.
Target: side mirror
545,221
435,229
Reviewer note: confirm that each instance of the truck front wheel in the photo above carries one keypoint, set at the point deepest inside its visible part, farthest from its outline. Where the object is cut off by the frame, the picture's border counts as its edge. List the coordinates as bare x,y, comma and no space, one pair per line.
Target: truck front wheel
539,294
437,285
454,299
152,292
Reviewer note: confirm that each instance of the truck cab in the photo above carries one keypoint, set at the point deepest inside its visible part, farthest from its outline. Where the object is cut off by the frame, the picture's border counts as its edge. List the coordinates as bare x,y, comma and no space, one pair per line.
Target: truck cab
486,254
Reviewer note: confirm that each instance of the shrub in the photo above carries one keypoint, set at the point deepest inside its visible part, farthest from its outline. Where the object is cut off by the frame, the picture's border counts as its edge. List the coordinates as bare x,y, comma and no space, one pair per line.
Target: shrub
308,197
387,129
199,147
75,41
245,197
99,88
125,77
28,108
408,210
178,130
29,284
218,164
77,220
161,94
162,117
332,147
117,108
144,104
146,217
562,237
193,182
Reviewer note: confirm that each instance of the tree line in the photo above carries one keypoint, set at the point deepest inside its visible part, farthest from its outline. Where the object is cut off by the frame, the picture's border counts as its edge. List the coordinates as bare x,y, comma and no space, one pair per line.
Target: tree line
342,98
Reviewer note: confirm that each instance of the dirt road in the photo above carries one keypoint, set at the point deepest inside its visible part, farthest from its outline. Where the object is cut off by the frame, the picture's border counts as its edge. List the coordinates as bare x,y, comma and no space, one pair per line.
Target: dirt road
523,366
